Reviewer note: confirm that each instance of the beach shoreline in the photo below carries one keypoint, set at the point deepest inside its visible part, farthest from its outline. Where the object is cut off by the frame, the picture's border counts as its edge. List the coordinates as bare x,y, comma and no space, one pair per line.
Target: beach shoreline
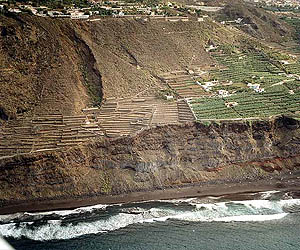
289,183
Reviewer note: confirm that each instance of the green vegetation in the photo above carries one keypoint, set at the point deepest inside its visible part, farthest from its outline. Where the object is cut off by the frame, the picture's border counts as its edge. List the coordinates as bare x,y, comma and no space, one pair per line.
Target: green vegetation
295,23
275,8
145,2
247,67
280,92
92,90
212,108
277,100
102,12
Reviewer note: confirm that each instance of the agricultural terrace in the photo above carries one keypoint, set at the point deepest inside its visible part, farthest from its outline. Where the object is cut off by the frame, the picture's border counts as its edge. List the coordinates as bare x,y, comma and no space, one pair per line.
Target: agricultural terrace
253,83
277,100
115,118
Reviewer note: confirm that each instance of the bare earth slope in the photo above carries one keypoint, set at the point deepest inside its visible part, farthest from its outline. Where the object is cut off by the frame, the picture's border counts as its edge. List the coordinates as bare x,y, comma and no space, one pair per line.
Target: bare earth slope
44,67
259,23
131,53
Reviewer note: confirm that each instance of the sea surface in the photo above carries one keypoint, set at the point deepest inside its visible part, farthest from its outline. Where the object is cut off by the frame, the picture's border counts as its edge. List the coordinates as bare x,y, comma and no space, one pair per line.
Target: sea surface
265,220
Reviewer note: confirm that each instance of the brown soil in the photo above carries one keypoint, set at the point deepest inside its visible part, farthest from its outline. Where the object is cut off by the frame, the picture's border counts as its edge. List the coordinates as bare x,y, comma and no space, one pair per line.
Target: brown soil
164,157
61,66
45,67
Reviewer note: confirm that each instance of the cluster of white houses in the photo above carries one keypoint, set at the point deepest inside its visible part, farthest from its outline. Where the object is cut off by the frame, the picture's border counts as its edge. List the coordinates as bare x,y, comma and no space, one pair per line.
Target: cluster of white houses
44,11
279,3
115,9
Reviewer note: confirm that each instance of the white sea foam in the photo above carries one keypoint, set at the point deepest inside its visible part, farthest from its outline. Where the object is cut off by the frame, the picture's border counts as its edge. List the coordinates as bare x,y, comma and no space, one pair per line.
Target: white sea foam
259,204
175,201
215,197
212,206
268,194
72,211
8,217
55,230
62,213
250,210
252,217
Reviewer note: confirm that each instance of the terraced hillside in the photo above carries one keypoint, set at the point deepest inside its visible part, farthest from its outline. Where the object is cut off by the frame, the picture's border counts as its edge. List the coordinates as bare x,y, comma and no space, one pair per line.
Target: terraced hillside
248,106
116,118
253,83
55,73
249,81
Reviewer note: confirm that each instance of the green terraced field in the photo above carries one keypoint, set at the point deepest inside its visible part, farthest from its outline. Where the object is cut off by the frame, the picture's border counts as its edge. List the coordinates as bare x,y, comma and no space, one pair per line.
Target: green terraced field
212,108
275,101
241,66
253,67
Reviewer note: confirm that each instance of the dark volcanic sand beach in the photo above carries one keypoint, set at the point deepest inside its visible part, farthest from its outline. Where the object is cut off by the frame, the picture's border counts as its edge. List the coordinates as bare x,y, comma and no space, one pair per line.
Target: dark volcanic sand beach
288,183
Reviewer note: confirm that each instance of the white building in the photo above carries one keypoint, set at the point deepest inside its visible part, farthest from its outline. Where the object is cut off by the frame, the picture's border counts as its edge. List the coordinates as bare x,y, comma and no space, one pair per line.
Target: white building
256,87
80,16
223,93
58,14
231,104
14,10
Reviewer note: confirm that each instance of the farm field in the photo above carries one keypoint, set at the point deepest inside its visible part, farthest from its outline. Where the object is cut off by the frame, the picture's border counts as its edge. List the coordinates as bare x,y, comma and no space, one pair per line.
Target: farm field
275,101
254,83
115,118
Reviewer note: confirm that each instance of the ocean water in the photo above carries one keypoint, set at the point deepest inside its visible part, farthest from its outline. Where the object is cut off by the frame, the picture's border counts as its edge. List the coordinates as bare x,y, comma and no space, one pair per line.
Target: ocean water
266,220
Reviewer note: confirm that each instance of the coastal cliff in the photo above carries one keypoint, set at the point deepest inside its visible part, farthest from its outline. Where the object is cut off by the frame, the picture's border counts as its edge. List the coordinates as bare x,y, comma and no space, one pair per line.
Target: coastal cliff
57,68
158,158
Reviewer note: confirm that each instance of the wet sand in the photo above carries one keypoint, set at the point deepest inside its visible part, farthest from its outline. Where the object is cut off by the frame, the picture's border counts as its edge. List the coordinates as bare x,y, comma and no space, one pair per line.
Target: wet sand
290,183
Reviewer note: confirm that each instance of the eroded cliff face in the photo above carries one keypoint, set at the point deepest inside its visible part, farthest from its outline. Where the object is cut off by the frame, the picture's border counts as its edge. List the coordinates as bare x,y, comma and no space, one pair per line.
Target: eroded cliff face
168,156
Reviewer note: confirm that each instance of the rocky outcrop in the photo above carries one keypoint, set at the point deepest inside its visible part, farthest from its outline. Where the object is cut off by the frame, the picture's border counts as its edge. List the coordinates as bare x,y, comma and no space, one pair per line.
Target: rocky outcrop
167,156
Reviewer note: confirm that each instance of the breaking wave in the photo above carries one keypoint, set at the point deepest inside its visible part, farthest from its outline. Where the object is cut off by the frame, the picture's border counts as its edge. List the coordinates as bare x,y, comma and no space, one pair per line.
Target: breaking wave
67,224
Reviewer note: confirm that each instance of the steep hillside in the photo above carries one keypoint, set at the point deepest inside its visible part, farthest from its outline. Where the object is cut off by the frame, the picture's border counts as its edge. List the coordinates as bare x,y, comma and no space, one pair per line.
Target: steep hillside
257,22
45,68
131,54
61,66
58,65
